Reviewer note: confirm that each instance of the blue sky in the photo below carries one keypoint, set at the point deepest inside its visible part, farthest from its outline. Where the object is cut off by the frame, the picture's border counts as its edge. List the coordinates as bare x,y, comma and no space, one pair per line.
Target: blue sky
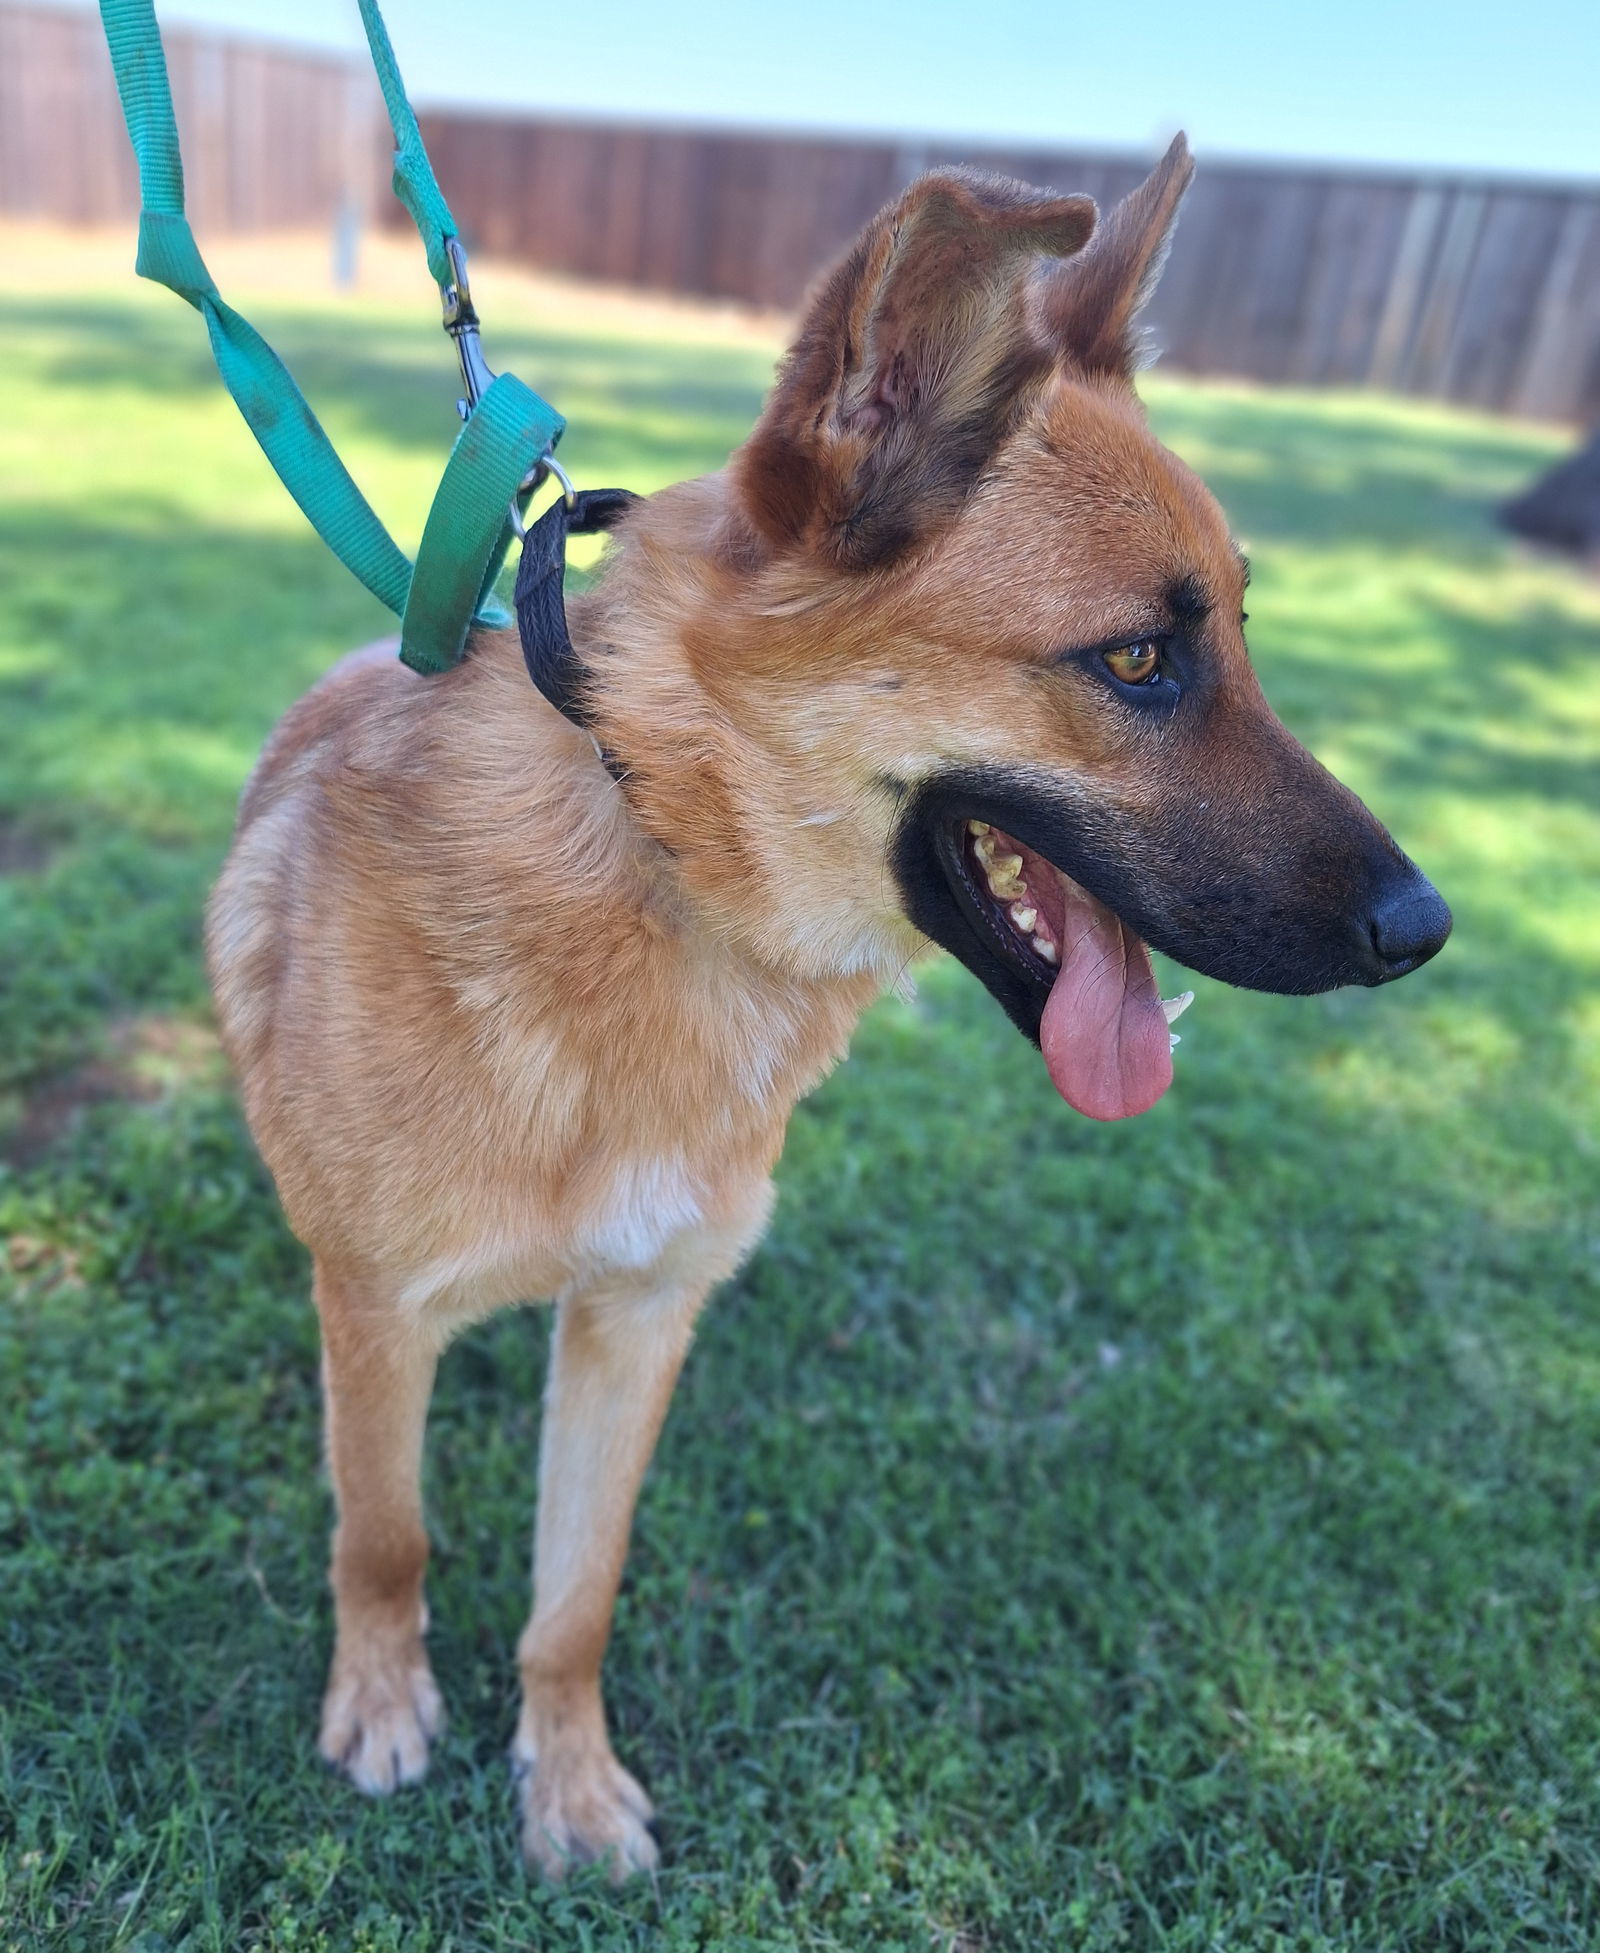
1450,83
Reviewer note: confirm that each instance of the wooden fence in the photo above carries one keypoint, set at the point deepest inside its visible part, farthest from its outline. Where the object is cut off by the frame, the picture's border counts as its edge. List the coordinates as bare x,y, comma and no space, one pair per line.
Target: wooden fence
1466,289
1478,290
273,137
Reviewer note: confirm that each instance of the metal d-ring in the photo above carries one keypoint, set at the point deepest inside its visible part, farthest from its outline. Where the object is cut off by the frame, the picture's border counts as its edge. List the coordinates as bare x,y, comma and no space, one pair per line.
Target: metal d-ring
544,467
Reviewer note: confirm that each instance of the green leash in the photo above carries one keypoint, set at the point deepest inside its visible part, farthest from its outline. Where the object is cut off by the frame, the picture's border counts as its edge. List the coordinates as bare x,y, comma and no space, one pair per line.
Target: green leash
498,456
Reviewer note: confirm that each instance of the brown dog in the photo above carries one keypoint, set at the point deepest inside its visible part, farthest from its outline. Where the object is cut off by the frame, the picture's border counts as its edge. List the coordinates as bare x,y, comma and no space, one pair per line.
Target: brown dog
952,650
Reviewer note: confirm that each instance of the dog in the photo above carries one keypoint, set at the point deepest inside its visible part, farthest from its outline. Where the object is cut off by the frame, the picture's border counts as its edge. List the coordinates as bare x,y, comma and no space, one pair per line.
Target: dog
950,653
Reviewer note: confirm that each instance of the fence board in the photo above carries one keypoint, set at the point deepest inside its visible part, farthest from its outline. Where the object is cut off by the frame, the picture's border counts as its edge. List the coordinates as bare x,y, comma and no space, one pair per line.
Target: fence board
273,137
1559,357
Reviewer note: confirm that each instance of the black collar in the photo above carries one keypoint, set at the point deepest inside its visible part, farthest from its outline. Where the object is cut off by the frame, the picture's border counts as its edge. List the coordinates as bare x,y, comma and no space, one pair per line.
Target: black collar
547,650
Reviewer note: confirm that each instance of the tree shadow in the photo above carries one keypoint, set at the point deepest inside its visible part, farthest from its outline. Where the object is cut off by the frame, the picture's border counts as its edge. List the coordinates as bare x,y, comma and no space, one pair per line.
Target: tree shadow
667,407
1349,467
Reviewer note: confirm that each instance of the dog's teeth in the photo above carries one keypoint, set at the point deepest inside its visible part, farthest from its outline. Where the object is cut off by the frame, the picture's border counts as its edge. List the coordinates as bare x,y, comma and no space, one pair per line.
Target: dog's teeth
983,848
1174,1007
1024,917
1045,950
1176,1040
977,827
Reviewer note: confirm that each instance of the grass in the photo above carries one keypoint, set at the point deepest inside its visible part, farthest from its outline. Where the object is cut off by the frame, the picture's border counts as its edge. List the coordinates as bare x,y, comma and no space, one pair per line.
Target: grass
1179,1535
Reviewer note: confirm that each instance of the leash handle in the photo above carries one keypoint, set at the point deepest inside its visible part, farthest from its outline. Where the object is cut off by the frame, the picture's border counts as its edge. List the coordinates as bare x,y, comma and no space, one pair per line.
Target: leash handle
509,428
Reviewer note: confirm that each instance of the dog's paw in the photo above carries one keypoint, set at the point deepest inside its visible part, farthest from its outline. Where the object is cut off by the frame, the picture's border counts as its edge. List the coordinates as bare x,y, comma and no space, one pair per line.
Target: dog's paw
378,1717
580,1807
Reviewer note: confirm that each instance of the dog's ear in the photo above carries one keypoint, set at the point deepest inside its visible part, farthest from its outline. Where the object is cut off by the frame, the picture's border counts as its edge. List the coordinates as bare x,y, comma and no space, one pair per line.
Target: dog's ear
917,351
1089,308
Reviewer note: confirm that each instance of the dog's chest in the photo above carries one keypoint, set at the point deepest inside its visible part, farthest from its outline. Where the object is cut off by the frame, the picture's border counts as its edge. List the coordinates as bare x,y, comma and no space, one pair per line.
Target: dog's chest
637,1142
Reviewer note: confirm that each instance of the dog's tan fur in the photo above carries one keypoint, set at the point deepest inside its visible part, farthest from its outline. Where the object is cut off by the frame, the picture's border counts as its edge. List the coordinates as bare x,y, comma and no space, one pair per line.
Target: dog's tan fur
507,1030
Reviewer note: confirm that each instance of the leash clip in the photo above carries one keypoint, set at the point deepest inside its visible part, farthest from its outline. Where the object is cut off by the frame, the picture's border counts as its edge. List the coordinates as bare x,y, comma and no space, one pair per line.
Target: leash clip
477,376
462,324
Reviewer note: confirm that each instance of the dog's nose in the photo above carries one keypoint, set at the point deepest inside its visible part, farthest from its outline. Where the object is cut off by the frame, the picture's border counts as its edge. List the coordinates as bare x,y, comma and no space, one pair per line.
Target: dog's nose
1410,922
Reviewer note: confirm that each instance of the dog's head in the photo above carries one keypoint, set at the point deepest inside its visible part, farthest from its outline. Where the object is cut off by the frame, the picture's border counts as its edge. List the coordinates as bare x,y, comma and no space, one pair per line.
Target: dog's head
972,643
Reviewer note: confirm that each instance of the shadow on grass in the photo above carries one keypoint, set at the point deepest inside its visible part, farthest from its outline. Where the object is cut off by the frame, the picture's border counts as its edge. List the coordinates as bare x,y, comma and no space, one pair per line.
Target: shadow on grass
1347,467
668,408
1285,466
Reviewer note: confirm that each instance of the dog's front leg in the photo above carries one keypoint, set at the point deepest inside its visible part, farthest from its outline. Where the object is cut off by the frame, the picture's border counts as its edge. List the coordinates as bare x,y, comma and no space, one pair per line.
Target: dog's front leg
381,1707
614,1360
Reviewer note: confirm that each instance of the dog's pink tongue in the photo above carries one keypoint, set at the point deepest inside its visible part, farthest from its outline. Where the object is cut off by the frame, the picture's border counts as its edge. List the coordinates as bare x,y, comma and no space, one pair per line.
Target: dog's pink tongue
1104,1033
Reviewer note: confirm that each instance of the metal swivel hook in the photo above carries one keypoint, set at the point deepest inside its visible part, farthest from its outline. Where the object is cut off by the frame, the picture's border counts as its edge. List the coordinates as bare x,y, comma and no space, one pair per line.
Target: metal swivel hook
477,376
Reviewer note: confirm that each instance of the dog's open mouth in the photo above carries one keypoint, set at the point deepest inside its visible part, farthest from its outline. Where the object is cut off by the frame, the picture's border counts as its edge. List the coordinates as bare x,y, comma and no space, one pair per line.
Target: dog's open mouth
1104,1030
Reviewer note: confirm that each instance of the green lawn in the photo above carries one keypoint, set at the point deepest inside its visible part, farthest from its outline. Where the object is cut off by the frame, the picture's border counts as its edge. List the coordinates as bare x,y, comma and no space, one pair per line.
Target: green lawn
1183,1534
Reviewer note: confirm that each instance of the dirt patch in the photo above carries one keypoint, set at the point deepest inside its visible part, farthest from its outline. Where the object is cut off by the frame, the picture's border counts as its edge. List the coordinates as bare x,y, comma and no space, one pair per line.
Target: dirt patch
143,1059
43,1265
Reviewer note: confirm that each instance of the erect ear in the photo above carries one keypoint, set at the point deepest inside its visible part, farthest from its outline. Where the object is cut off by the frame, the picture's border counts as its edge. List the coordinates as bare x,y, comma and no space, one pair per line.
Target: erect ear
1089,309
916,354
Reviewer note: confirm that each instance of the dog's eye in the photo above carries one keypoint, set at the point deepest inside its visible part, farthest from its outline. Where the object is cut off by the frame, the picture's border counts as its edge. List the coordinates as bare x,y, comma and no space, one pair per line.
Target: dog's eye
1135,664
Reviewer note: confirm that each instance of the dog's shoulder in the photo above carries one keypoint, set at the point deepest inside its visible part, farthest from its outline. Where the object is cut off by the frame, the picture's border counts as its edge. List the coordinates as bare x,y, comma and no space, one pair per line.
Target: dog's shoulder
362,682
